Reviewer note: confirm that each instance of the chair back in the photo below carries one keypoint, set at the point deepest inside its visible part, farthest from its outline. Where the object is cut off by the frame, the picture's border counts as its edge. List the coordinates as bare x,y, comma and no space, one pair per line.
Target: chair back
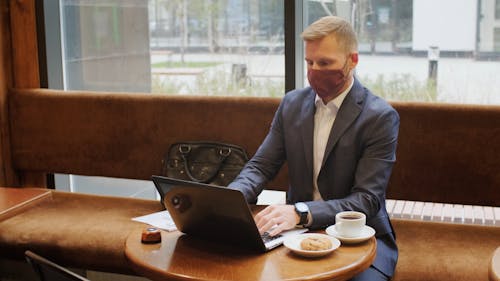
49,271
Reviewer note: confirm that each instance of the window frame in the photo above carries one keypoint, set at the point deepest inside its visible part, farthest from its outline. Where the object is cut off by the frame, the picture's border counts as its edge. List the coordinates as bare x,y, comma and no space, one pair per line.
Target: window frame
51,45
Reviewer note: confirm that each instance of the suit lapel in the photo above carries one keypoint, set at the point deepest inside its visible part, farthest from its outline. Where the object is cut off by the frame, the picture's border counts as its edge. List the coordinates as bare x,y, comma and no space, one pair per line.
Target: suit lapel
307,128
348,112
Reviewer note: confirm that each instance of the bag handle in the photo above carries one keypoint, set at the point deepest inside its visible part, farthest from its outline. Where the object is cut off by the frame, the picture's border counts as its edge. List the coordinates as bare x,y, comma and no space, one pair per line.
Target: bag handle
184,149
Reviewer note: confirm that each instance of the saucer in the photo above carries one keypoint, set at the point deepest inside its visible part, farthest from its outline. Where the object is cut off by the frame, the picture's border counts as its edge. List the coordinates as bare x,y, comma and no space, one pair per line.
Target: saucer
366,234
293,243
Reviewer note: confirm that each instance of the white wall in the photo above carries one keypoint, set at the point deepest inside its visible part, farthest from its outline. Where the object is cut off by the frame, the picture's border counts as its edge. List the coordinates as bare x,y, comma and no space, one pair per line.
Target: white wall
448,24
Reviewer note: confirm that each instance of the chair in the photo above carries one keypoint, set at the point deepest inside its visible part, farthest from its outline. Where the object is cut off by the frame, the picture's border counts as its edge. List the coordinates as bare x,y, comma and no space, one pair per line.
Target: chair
494,269
49,271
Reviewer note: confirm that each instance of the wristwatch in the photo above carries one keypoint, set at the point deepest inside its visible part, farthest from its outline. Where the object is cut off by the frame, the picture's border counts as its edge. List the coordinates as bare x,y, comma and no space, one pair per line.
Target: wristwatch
303,211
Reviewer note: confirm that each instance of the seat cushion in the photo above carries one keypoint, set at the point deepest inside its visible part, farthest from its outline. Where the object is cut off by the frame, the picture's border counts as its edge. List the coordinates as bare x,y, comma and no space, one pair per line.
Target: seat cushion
77,230
443,251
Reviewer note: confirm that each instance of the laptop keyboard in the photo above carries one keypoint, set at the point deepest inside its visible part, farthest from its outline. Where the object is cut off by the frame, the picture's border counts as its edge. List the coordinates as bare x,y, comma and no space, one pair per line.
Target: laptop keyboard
266,237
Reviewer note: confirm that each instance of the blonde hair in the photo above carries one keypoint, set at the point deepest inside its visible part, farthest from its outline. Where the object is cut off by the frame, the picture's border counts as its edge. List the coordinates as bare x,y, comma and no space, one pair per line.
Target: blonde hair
332,25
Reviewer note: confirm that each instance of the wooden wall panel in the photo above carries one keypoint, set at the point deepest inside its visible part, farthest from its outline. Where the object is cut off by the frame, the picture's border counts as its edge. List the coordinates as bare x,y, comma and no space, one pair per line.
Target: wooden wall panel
7,175
20,69
24,44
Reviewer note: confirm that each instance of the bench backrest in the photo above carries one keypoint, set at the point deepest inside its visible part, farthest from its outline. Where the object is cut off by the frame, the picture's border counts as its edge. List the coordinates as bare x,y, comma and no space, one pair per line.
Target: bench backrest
446,153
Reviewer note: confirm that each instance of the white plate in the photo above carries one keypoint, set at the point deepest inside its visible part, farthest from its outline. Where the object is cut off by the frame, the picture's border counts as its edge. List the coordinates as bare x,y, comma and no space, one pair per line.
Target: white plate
366,234
293,243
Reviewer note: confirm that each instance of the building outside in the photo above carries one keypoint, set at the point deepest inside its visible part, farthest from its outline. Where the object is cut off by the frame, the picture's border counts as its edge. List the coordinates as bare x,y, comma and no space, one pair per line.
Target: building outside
383,26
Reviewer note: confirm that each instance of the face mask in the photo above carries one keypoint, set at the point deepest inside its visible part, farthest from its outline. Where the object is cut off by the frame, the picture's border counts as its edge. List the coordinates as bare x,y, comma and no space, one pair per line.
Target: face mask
327,83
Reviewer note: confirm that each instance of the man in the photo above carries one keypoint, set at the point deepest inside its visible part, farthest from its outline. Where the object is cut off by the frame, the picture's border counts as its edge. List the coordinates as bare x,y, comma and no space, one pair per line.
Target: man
339,141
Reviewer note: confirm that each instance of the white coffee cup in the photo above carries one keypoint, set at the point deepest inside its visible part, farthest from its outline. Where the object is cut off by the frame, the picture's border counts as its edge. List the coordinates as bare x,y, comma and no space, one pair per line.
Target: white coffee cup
350,223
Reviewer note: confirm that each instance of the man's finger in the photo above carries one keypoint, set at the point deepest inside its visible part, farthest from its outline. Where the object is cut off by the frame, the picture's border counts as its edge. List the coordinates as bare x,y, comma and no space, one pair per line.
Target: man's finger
264,212
268,225
276,230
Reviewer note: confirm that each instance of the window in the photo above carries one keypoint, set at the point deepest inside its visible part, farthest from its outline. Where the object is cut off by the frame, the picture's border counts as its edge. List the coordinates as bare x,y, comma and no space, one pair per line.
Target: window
395,38
236,47
218,47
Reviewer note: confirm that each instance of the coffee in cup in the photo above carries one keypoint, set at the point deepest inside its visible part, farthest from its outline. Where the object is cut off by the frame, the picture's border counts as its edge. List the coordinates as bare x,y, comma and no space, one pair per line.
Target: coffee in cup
349,223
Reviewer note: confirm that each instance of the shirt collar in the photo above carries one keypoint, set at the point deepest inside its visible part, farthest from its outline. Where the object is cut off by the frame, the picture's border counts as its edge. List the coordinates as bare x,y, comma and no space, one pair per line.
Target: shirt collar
336,102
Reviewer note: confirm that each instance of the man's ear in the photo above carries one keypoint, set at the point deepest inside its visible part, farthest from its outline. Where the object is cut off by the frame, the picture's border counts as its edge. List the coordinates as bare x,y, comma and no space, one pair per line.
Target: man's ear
354,59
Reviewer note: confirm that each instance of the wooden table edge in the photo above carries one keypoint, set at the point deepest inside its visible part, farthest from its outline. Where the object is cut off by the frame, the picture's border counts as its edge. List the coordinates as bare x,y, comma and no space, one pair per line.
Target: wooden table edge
362,265
138,266
19,208
153,273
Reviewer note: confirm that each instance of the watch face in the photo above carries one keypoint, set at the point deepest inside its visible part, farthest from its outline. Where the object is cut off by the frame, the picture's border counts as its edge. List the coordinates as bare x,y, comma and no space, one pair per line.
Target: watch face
301,207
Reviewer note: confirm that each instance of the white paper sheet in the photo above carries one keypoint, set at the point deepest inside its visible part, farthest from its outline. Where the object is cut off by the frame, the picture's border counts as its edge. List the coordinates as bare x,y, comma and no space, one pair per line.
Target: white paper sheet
161,220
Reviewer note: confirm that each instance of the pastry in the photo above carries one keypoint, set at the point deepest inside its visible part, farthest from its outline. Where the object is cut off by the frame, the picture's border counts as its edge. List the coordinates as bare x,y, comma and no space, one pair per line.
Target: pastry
315,244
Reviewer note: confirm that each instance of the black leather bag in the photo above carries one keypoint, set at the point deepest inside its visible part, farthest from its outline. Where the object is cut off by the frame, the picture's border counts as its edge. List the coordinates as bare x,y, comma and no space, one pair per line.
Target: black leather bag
206,162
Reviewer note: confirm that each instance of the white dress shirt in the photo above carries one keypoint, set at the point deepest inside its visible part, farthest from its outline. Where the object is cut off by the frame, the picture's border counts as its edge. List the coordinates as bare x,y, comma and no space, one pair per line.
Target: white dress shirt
324,118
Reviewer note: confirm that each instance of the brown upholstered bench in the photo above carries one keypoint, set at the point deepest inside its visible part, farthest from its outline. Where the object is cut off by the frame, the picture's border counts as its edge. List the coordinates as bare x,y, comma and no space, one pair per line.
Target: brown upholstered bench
76,230
445,154
444,251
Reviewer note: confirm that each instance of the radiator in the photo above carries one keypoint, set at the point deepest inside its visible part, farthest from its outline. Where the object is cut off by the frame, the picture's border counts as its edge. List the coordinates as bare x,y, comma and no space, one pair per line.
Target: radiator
441,212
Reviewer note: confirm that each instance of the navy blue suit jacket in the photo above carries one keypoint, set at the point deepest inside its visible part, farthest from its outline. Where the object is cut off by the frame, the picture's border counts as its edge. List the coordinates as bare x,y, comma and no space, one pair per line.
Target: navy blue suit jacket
358,161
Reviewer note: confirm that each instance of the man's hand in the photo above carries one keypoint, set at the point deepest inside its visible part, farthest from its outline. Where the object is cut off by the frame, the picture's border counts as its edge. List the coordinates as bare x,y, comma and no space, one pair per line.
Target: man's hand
276,218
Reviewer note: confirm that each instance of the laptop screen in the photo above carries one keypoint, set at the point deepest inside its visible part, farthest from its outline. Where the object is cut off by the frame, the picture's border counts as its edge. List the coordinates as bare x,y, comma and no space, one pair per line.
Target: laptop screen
165,184
209,211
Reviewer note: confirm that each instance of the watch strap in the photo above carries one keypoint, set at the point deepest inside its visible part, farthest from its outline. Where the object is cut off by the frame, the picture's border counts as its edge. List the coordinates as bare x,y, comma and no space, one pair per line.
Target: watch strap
303,214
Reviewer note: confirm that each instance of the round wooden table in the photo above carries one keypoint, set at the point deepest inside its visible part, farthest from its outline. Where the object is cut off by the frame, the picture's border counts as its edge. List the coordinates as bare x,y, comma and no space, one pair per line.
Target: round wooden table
181,257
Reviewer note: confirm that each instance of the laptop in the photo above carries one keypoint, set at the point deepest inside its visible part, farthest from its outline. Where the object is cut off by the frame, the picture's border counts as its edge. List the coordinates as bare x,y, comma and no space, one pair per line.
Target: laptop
215,213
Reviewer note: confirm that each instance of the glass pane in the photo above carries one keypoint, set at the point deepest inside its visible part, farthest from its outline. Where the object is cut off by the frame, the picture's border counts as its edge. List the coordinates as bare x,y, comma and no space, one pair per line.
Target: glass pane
396,38
215,47
106,45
